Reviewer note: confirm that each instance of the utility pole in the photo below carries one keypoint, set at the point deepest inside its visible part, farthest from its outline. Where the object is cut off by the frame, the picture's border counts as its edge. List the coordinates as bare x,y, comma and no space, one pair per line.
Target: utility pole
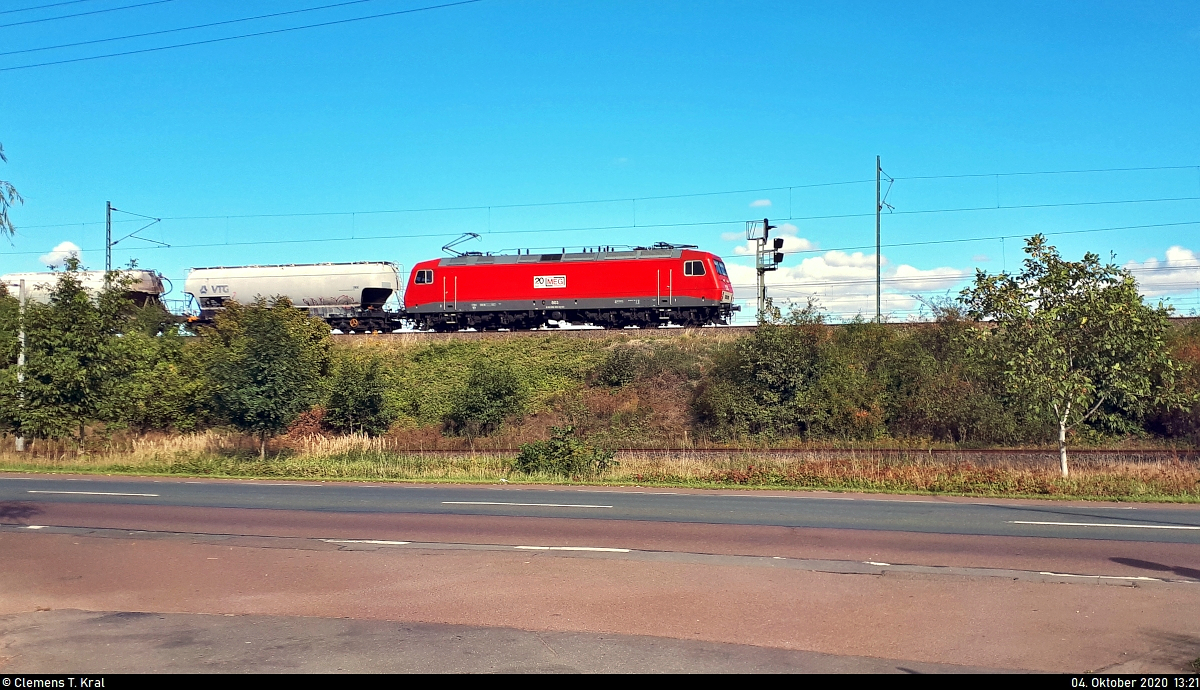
108,240
19,443
108,235
878,210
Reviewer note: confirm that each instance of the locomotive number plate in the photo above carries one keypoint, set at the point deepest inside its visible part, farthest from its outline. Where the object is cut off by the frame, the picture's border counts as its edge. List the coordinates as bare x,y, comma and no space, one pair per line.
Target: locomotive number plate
549,281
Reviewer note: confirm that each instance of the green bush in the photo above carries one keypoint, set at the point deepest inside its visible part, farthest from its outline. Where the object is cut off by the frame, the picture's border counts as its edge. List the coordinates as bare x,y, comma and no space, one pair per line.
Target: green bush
358,396
564,454
492,394
624,364
266,363
157,383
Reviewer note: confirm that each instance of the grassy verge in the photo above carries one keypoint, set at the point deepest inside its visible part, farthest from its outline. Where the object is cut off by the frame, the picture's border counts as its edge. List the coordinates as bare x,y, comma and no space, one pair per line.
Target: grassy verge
356,458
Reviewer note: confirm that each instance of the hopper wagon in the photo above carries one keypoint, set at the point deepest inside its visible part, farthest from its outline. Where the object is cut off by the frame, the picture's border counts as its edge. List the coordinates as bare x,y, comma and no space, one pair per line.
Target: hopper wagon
351,297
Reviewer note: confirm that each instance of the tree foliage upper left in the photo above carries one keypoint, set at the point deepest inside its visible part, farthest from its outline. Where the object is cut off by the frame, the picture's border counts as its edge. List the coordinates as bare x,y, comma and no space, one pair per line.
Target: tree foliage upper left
8,197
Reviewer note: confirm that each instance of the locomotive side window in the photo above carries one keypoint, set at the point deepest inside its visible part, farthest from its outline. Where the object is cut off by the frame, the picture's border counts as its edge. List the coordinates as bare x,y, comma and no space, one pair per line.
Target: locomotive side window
424,277
720,265
693,268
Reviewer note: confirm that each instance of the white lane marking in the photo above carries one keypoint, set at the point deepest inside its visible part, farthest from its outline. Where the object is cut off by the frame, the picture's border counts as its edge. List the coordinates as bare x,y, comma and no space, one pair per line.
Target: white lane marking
1103,577
91,493
1102,524
875,563
572,548
35,527
382,542
540,505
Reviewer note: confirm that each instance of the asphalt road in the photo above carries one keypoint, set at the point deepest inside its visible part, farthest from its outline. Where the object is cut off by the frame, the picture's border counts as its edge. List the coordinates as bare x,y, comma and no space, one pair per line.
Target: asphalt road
1058,520
338,576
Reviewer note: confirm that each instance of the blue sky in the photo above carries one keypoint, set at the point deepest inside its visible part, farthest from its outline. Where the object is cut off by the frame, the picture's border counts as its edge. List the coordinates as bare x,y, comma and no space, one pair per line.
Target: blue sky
501,103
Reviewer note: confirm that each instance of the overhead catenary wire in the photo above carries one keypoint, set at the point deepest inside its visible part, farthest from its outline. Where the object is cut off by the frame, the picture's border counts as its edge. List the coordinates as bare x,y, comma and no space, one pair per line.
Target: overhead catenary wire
255,34
689,195
796,288
948,278
601,228
43,7
1049,172
185,28
84,14
723,256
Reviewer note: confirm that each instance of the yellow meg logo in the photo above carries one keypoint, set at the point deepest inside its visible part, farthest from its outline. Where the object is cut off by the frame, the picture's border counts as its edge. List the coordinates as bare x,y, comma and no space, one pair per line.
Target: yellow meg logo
549,281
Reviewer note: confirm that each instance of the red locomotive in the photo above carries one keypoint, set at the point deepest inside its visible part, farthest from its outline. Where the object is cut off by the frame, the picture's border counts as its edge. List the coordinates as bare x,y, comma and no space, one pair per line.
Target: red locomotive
644,286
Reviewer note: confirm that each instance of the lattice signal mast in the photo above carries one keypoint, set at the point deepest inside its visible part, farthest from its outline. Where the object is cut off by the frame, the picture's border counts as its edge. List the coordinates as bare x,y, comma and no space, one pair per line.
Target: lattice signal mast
767,257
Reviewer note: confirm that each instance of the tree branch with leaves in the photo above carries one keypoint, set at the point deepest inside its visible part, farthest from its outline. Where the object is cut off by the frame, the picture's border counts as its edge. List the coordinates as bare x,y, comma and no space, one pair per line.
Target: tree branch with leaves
8,197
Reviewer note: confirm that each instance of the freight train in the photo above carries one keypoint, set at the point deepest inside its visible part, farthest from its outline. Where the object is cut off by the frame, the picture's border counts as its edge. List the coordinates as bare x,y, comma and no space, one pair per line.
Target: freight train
647,287
607,287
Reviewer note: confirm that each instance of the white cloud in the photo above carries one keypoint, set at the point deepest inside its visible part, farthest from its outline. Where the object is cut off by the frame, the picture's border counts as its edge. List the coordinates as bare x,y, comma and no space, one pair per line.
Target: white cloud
58,256
759,203
843,283
1179,273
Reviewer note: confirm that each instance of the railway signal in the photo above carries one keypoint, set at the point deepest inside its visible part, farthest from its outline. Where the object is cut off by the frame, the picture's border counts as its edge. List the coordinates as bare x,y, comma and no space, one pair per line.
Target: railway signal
767,257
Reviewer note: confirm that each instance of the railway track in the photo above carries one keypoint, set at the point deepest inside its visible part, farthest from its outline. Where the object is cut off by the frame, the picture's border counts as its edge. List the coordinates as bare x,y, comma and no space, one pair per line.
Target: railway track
601,333
1131,454
585,333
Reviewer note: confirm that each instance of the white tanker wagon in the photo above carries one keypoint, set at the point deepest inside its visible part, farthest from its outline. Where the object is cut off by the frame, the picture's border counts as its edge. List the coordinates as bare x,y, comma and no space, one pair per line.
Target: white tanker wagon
350,297
141,286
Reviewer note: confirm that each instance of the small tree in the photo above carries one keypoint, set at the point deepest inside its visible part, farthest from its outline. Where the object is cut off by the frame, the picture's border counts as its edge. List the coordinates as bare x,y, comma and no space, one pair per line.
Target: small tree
1071,337
69,358
9,349
358,396
264,364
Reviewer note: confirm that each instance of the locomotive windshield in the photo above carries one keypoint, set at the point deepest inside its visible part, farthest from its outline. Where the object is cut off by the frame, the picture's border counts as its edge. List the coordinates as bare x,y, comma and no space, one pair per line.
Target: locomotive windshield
720,266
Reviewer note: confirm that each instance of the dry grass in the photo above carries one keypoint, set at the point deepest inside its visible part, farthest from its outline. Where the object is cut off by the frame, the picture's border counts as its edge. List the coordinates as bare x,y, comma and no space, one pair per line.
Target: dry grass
1116,476
1120,475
